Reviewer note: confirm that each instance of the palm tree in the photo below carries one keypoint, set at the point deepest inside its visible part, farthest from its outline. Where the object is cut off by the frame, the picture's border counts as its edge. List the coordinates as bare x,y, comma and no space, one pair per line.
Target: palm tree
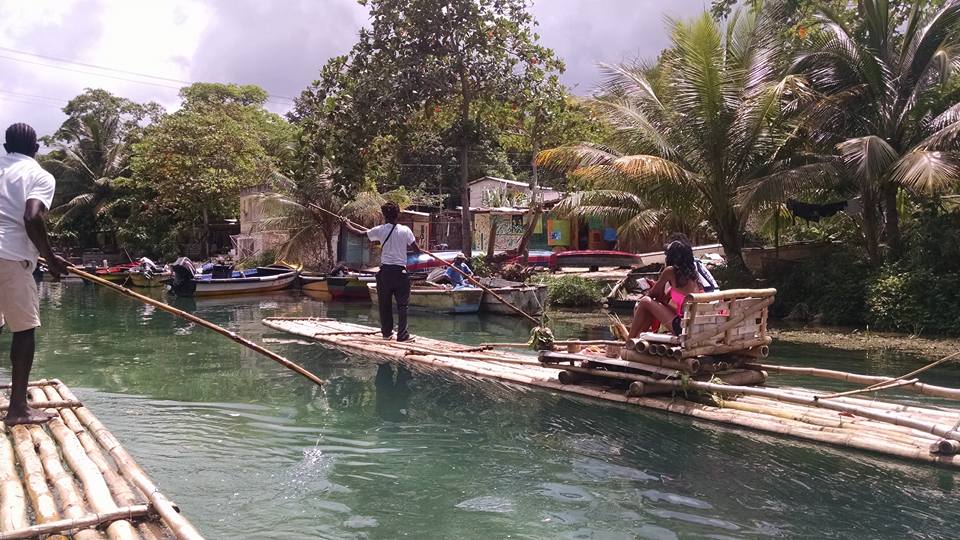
873,81
92,151
295,210
689,132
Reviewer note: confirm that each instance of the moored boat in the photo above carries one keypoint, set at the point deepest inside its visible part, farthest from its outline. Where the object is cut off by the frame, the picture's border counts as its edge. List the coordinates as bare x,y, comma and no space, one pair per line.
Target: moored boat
532,299
625,294
186,282
594,259
147,280
348,287
440,299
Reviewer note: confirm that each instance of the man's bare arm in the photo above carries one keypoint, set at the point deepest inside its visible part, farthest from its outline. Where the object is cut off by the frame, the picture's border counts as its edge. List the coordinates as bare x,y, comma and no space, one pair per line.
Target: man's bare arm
34,221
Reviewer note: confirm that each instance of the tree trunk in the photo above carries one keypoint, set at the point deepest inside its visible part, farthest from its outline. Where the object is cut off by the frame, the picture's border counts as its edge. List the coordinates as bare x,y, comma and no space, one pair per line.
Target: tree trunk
492,238
205,236
892,220
524,247
730,235
466,230
871,227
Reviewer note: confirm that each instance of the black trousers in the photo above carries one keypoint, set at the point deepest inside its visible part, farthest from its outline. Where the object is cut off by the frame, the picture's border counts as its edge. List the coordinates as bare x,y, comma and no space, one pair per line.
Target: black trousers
393,282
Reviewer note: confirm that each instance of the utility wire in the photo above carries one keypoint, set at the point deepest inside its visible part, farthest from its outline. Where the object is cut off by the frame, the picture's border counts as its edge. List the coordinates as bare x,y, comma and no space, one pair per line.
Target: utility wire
271,98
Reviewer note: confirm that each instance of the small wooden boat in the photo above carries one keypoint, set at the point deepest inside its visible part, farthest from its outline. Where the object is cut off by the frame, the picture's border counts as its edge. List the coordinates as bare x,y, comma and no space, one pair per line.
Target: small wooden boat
186,282
116,274
348,287
147,280
440,299
625,294
594,259
531,299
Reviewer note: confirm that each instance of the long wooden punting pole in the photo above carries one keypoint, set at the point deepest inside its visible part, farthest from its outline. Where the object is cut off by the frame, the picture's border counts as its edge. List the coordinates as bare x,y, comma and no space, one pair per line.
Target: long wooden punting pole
194,319
891,384
857,378
470,278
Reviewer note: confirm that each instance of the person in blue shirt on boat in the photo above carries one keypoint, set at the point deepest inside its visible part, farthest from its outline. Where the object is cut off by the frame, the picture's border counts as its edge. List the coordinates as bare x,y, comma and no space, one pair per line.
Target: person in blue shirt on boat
456,278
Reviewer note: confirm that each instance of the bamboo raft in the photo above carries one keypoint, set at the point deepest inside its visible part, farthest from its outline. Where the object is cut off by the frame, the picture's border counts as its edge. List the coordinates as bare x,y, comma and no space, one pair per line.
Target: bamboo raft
927,434
71,478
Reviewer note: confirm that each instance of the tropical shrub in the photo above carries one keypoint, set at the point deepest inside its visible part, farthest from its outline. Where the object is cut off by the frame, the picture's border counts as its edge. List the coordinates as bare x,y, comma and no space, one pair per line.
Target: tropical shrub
572,290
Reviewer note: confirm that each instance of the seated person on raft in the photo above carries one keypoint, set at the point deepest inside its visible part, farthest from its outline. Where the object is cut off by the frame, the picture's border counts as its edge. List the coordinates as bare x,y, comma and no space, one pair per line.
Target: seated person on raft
661,304
456,278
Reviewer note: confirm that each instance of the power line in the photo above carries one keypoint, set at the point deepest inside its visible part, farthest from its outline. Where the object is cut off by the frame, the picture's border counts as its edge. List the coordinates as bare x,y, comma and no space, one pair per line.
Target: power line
19,94
115,77
115,70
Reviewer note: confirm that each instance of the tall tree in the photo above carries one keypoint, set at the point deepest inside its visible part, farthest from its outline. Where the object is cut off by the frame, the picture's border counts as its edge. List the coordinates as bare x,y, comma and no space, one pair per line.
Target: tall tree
424,54
199,158
690,132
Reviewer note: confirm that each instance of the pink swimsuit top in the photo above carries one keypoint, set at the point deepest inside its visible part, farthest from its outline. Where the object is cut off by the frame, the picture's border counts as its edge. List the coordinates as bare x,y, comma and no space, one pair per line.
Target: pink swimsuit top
677,297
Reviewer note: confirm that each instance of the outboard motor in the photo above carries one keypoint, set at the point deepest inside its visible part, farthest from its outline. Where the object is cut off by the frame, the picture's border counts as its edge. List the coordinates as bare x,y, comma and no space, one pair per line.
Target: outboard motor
184,282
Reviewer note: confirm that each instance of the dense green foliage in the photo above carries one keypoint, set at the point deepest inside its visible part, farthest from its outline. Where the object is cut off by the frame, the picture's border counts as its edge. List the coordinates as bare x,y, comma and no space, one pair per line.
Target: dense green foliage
572,290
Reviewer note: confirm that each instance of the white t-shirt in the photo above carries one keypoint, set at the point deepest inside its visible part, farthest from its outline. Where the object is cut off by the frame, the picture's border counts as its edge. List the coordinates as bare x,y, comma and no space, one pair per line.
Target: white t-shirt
394,250
21,178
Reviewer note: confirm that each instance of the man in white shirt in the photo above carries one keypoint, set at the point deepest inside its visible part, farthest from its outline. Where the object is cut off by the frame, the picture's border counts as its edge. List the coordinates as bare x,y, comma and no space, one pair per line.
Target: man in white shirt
393,281
26,193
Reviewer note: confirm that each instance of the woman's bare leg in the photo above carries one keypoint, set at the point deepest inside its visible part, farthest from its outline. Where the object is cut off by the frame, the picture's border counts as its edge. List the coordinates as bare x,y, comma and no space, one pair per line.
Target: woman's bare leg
648,309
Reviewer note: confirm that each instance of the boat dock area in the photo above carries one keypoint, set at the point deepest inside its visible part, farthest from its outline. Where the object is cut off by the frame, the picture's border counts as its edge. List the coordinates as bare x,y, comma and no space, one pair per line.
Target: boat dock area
911,432
72,478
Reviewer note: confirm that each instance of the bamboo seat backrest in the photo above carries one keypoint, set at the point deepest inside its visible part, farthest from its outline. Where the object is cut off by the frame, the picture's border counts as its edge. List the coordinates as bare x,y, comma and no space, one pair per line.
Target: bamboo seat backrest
726,319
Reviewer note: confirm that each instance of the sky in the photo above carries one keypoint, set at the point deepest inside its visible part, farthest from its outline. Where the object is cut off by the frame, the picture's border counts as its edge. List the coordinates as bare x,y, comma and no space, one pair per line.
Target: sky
50,50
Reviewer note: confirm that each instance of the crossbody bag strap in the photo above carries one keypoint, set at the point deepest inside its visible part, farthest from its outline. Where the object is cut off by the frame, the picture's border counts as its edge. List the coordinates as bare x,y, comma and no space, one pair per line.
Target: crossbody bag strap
384,244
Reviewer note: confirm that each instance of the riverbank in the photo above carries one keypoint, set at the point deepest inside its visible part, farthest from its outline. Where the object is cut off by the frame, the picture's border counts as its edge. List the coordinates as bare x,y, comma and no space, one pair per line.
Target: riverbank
859,340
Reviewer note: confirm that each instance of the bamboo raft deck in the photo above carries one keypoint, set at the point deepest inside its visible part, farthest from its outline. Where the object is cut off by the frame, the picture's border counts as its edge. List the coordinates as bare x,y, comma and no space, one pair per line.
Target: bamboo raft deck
927,434
71,478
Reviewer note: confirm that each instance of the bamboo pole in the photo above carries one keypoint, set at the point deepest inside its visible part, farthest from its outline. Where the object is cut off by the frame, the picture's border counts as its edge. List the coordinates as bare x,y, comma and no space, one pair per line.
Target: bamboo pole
119,488
180,527
95,488
469,277
874,388
808,399
68,525
71,502
728,294
197,320
52,405
893,383
689,365
856,378
44,506
13,504
723,349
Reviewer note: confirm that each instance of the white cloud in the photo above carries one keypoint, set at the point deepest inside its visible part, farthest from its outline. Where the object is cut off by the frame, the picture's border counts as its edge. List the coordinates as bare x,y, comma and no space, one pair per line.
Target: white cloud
278,45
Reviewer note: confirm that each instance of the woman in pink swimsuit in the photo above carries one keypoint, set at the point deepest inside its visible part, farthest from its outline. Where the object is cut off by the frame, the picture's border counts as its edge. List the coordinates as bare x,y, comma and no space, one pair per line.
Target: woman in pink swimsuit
663,305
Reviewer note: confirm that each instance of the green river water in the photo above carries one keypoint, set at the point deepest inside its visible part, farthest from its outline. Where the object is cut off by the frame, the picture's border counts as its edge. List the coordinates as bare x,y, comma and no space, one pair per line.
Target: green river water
250,450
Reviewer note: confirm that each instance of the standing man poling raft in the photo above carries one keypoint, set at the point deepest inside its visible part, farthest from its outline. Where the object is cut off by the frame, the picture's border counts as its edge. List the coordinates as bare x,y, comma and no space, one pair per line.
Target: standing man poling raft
393,281
26,192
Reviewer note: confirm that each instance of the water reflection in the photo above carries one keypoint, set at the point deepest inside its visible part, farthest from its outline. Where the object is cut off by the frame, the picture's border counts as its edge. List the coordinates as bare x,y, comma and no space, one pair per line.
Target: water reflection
251,450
